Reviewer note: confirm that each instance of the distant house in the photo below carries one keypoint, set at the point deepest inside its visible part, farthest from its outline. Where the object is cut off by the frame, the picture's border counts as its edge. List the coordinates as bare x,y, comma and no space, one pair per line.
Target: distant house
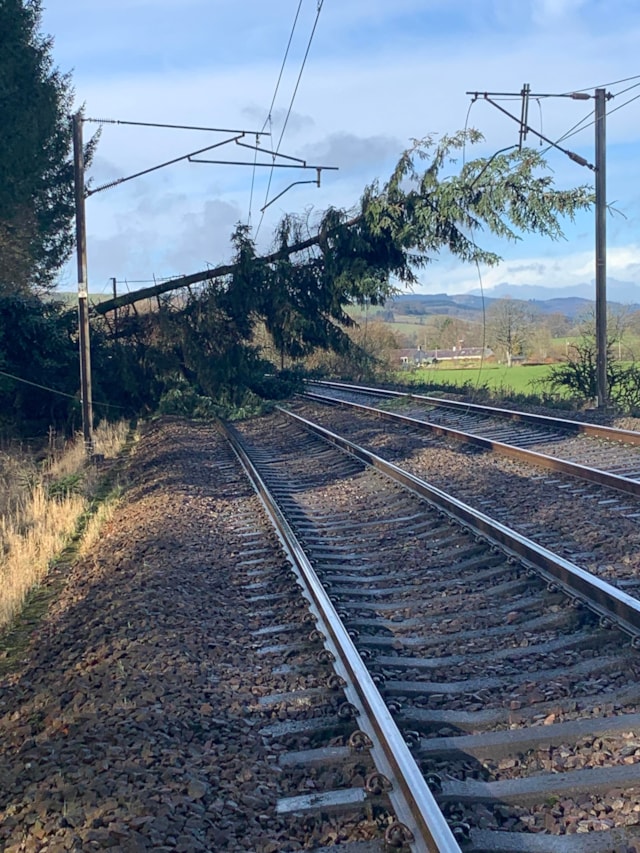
418,357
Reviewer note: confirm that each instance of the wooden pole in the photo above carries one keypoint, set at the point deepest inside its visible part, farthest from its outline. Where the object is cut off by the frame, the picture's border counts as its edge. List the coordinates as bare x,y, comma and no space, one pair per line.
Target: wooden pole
115,311
83,293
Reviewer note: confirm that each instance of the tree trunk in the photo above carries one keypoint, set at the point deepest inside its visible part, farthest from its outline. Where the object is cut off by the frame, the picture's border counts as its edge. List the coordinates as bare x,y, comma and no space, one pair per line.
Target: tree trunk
208,275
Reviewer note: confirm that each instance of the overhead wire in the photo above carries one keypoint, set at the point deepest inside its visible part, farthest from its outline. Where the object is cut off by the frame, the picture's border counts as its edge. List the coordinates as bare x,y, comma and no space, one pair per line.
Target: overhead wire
284,62
615,109
622,91
289,110
304,61
571,132
576,128
604,85
267,121
55,391
253,181
477,263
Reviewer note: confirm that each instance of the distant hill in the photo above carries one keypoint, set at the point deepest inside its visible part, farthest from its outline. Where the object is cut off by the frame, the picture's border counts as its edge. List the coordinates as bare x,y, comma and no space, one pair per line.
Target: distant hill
464,305
625,292
469,305
570,306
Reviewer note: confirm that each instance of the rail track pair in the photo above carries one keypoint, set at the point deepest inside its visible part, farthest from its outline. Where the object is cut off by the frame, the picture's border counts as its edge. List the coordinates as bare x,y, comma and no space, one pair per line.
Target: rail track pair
492,682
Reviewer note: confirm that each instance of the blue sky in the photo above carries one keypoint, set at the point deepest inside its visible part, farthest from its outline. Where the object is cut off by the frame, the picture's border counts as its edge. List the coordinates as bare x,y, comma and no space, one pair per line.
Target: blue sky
377,75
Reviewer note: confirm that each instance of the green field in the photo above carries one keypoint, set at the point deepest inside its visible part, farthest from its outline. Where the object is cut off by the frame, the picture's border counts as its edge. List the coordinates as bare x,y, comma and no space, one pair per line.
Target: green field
519,379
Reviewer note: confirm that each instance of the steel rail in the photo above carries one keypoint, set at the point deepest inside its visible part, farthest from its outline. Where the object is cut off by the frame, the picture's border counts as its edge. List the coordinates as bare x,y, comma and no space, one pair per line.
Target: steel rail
625,436
606,600
532,457
410,796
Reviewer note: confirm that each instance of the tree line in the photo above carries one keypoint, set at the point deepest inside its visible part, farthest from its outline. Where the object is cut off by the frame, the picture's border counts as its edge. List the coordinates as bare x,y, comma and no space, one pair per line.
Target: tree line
514,328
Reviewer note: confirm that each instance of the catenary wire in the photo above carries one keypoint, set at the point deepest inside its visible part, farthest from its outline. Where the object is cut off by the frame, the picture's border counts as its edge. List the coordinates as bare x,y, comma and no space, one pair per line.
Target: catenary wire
478,270
267,121
577,128
603,85
615,109
573,132
55,391
293,97
284,61
628,89
304,61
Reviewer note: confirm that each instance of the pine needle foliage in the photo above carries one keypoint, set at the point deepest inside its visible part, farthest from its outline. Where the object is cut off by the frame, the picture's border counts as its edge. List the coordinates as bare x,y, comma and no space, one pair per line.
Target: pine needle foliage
36,171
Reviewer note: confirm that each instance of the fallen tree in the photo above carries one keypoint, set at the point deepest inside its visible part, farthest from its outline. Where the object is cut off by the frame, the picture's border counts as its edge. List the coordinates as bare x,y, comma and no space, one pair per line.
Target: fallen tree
199,277
401,227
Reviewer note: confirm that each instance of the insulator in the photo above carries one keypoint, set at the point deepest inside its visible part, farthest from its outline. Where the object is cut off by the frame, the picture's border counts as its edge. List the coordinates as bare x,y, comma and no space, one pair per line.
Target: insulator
577,158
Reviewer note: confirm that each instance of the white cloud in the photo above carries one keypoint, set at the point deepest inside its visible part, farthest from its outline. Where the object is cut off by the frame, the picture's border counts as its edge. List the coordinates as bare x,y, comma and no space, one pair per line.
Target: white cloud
551,271
203,236
547,12
354,153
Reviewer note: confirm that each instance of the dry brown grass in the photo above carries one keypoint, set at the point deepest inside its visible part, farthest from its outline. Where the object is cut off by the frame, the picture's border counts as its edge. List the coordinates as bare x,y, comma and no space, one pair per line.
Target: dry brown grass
40,508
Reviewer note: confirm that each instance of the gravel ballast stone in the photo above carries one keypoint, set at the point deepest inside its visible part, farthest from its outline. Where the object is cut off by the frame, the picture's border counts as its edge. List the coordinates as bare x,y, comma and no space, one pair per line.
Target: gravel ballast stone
130,722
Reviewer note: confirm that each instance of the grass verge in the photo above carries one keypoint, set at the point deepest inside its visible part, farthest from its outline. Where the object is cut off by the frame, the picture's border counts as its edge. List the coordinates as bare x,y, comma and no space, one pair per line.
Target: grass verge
52,511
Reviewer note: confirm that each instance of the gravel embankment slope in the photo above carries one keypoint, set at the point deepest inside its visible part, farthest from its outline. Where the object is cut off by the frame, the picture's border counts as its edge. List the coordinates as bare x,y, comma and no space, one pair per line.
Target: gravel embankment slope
127,723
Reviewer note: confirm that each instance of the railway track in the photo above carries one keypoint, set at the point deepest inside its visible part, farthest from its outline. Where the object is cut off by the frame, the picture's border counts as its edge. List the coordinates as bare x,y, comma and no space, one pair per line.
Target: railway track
421,689
591,520
597,454
482,672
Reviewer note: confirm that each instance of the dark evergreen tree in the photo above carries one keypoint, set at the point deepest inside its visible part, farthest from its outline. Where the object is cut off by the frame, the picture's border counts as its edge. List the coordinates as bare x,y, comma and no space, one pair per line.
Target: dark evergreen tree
38,365
36,168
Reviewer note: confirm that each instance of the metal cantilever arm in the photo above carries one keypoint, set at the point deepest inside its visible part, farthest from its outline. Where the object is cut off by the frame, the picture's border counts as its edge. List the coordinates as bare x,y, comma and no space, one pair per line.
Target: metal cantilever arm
294,163
297,162
256,147
162,165
295,183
